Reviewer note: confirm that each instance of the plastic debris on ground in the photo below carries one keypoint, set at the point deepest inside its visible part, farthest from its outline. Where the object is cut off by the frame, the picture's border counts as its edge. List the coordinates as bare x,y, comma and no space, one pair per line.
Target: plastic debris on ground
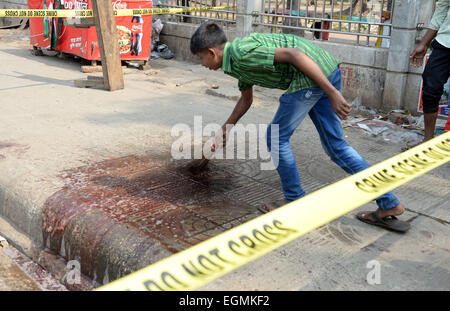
440,124
389,131
157,26
162,50
398,126
159,49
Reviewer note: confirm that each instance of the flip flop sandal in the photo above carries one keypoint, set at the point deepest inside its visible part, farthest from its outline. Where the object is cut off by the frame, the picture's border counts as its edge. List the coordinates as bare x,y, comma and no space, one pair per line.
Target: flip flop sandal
390,222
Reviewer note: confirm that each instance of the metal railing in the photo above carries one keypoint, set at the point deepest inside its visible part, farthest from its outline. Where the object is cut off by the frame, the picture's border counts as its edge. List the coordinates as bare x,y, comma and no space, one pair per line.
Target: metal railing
364,22
224,17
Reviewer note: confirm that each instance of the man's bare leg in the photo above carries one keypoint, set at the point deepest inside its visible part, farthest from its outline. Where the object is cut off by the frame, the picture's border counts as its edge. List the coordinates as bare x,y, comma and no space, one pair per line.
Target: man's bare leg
430,125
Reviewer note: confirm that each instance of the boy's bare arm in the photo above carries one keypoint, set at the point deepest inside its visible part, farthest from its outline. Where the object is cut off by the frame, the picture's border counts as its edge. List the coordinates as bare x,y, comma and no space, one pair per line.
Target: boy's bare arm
306,65
242,106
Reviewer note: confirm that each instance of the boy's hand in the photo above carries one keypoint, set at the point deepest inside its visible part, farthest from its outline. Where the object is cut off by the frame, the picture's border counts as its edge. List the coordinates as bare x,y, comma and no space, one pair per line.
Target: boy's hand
220,139
416,58
340,105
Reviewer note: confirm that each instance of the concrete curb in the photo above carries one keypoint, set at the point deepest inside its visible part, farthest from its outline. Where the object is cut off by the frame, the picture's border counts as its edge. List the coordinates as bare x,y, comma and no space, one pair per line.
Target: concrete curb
54,264
119,250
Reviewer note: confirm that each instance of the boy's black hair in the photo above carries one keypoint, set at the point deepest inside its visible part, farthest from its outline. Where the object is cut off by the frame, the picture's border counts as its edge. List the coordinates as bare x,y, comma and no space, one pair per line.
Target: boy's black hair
208,35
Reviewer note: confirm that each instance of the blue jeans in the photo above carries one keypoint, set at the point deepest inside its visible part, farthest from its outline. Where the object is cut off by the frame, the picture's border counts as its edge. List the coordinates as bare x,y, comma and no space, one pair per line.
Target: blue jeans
291,112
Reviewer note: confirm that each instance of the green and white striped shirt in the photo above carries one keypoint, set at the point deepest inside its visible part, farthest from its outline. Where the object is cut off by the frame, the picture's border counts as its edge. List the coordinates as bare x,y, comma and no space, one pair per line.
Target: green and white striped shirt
251,61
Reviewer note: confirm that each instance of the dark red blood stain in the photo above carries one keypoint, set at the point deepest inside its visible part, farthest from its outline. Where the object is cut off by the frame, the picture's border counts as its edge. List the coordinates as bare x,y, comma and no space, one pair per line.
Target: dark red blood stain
160,198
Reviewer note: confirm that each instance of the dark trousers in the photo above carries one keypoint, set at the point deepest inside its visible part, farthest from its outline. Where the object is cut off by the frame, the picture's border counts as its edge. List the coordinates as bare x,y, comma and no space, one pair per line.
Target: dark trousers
435,75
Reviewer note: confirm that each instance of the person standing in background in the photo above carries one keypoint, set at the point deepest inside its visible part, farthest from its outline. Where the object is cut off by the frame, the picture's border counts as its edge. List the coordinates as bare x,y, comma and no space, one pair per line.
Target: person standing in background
437,69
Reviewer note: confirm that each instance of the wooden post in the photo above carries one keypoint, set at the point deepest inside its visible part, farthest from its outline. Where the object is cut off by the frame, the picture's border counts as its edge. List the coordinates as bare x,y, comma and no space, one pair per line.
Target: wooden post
105,24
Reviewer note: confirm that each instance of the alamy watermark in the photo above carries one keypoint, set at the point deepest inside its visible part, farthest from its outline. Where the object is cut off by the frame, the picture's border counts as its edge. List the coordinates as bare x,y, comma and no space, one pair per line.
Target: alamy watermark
242,142
374,275
73,273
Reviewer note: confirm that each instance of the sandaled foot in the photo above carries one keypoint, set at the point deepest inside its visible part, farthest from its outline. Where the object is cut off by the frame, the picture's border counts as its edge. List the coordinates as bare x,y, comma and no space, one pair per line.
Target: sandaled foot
270,206
389,222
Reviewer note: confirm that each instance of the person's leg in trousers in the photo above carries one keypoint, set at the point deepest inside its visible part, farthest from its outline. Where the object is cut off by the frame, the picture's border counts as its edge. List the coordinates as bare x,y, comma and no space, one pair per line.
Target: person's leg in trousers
330,130
291,112
435,75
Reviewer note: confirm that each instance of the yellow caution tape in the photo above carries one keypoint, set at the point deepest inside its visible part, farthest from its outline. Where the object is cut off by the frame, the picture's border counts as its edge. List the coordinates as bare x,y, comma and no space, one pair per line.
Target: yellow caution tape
88,13
206,261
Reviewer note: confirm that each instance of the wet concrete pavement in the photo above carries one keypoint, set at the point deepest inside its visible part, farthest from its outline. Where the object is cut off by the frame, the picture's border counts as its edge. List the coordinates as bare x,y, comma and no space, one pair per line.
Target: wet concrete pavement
88,174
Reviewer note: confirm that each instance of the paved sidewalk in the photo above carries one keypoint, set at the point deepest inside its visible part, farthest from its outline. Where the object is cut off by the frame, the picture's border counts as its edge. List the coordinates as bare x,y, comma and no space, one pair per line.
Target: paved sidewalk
88,174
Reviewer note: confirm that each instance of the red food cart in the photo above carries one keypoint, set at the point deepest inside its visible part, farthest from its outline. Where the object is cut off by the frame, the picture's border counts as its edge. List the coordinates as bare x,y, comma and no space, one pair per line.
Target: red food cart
134,32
